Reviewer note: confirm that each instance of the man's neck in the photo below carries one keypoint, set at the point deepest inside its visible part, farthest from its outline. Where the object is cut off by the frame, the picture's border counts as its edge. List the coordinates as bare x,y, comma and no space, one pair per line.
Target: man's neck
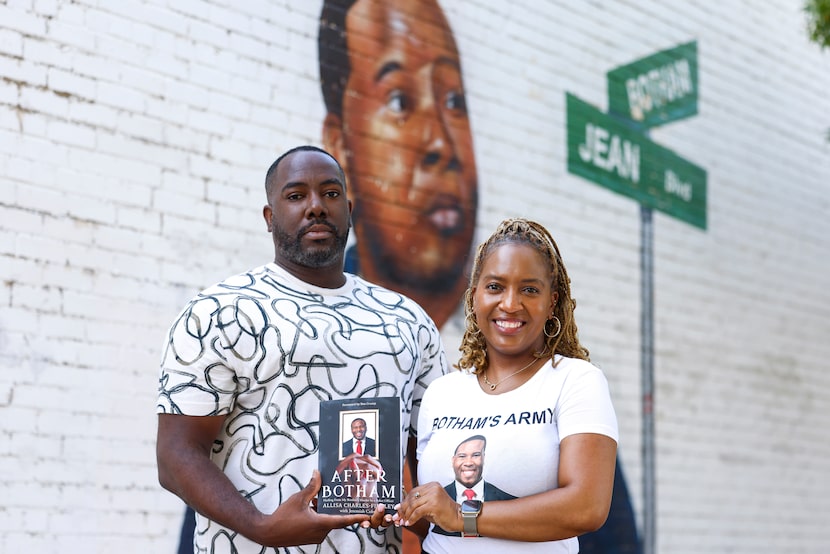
327,277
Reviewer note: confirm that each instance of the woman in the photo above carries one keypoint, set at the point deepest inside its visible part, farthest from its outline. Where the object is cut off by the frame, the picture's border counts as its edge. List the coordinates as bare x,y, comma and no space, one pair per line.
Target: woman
518,448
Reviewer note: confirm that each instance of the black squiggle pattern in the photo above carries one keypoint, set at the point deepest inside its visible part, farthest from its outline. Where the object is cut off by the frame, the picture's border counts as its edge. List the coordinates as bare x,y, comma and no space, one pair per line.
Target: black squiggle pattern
265,349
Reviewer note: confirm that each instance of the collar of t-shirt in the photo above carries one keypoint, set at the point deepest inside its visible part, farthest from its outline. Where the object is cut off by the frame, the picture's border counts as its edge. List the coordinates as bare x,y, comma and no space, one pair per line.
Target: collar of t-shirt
299,284
478,489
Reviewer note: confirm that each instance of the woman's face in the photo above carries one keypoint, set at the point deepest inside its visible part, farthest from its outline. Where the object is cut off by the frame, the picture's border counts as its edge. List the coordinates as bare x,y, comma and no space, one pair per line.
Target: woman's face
513,299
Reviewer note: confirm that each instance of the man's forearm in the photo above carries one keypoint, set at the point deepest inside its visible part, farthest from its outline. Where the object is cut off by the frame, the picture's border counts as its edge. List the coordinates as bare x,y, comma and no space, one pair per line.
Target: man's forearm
207,490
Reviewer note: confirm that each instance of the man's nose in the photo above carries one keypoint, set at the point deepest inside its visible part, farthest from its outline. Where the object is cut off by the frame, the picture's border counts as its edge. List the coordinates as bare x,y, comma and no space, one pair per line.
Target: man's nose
439,148
316,207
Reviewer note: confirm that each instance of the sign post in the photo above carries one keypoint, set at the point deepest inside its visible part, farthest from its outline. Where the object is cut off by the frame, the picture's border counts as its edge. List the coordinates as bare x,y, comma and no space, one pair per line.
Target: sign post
614,151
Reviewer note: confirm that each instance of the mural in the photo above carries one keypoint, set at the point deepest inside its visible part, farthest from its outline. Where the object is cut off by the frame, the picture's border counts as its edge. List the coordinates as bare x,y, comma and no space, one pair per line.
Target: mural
397,121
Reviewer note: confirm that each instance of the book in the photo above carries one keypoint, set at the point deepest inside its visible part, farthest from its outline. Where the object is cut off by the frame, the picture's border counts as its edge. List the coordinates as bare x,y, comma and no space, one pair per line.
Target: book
360,455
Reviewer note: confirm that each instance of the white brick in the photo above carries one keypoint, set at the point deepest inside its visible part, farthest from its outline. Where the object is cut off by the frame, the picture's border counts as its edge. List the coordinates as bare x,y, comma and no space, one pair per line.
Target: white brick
11,43
141,127
93,114
149,158
45,101
20,169
46,7
112,166
36,297
71,134
228,105
8,121
91,209
182,205
16,268
120,96
34,248
23,21
23,71
142,219
61,81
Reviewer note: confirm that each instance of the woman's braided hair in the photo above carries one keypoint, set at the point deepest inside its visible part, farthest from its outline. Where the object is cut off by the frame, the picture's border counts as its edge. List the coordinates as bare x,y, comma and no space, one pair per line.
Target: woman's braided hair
523,231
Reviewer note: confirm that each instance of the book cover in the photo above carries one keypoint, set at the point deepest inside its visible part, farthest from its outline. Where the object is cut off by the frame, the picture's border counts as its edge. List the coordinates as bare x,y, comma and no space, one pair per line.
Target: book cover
360,455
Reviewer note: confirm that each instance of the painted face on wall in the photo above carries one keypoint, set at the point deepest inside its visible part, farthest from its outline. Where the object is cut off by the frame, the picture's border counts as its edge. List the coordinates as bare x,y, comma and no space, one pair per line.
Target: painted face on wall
406,145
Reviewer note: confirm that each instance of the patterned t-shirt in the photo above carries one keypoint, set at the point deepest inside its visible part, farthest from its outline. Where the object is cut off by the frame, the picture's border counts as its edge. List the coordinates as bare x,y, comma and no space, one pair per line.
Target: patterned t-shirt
264,348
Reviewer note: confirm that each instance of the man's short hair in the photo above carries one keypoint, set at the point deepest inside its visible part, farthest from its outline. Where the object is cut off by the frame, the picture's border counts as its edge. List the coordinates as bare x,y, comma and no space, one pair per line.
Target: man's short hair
473,438
301,148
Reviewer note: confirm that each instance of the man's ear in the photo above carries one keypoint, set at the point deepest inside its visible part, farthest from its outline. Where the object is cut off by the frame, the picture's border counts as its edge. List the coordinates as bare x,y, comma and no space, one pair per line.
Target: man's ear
333,138
267,213
334,144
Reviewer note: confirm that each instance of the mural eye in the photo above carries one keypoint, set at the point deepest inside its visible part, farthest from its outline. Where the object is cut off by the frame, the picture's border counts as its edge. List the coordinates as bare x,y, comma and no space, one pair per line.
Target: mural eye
398,102
455,101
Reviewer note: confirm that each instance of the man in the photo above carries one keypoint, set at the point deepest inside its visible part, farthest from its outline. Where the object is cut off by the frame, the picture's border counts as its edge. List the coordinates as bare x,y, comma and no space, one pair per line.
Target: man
397,120
359,442
468,465
248,360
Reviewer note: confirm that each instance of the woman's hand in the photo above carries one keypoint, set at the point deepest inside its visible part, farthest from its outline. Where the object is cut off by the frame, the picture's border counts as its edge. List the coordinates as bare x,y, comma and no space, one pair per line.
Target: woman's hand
429,502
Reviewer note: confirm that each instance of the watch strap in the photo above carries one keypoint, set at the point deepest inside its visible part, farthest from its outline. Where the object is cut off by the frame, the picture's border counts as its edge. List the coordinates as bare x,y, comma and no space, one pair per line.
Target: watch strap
470,518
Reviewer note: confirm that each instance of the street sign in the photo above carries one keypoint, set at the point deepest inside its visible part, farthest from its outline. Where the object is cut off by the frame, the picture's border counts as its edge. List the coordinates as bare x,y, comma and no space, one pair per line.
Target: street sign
607,151
656,89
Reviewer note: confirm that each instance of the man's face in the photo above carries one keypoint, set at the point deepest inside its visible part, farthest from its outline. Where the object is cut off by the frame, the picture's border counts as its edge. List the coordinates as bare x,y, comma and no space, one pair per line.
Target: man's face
468,462
408,144
308,212
359,429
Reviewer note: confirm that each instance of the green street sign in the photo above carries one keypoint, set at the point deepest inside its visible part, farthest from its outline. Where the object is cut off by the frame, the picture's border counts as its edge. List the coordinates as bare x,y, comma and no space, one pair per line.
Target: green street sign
608,152
656,89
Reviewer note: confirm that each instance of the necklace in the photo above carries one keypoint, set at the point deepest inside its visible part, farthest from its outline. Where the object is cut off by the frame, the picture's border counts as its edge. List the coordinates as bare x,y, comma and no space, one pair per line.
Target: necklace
494,385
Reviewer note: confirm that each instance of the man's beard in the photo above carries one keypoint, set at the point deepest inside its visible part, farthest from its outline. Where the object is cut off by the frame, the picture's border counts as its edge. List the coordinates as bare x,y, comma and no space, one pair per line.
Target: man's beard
292,247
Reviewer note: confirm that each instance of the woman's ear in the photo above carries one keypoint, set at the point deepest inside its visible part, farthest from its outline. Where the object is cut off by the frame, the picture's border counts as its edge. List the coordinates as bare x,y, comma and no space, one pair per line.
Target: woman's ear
554,297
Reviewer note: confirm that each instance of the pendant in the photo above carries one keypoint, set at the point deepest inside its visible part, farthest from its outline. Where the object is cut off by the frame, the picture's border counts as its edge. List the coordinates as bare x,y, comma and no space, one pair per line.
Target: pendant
492,387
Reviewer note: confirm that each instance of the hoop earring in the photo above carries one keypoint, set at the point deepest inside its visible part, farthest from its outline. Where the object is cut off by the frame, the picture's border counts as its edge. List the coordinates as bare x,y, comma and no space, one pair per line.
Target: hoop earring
558,328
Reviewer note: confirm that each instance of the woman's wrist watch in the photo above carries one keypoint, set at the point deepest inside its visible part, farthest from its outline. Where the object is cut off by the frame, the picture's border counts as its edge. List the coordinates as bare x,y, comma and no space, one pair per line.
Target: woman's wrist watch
469,514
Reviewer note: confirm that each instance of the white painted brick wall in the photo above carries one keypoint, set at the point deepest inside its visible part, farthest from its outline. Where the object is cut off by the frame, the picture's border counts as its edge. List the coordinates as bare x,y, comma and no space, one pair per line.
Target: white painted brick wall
134,137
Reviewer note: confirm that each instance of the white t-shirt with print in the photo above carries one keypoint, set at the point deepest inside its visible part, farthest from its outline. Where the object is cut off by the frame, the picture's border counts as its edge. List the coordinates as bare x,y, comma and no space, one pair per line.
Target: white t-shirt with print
523,429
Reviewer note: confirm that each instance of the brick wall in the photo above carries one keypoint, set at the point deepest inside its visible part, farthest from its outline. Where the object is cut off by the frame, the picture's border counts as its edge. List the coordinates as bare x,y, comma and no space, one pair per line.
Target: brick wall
133,143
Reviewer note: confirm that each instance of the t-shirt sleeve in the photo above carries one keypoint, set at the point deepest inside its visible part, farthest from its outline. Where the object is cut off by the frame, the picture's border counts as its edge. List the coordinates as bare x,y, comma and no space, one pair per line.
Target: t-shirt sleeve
195,378
425,419
585,405
433,365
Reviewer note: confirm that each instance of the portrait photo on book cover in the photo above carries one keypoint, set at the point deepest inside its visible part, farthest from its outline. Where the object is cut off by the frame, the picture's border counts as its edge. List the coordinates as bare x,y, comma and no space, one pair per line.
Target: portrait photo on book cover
359,432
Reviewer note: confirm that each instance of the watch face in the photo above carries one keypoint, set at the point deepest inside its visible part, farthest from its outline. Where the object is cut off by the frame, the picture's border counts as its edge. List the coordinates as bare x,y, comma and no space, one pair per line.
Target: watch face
471,507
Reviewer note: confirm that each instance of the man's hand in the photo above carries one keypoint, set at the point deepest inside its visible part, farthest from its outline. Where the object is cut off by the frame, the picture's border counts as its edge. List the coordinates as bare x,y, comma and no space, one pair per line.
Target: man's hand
296,522
185,468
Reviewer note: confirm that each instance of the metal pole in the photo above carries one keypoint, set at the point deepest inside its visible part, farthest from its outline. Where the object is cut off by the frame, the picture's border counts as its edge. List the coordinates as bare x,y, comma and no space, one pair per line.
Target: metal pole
647,360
